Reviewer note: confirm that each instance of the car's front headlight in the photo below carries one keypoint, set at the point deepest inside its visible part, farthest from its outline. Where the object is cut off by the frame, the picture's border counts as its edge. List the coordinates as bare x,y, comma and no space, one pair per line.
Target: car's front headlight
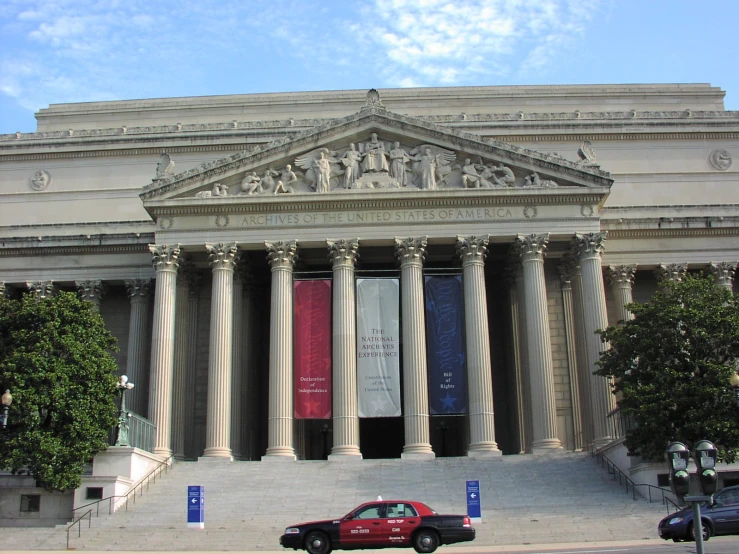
675,520
292,531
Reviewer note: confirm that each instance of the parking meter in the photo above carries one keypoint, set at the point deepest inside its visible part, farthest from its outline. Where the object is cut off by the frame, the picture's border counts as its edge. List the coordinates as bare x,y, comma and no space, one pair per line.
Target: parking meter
705,455
677,460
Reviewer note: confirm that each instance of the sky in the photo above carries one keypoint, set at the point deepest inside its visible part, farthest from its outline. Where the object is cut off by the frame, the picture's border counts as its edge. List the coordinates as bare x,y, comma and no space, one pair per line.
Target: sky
58,51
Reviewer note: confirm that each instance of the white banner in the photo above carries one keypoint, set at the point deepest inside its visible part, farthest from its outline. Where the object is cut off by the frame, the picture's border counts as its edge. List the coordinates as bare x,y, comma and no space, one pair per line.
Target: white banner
378,347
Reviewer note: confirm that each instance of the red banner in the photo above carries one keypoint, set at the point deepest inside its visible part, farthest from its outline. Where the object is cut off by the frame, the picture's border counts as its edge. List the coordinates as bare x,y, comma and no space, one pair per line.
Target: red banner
312,349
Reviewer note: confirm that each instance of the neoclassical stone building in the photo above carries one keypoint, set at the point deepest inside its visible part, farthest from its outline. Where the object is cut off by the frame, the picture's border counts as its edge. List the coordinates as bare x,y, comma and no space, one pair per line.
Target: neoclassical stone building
414,273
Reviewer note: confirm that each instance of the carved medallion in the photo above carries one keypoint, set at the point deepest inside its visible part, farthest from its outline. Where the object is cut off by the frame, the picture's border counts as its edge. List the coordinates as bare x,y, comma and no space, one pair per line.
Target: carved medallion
720,159
40,180
165,223
530,212
586,210
222,221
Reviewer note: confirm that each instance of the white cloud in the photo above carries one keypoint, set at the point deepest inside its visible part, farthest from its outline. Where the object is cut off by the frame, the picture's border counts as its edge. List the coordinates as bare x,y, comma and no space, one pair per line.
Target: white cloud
54,51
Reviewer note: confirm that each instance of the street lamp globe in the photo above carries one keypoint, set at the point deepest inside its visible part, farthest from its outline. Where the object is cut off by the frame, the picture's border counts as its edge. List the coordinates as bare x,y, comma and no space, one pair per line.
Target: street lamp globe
734,381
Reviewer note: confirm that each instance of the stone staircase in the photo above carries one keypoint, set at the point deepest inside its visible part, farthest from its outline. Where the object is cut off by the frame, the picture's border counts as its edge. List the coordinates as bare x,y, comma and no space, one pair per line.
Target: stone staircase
525,500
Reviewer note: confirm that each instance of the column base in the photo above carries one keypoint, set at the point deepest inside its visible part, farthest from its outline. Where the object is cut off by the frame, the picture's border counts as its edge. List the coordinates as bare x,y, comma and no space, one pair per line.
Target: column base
417,452
546,446
350,452
163,452
216,459
280,452
484,450
218,452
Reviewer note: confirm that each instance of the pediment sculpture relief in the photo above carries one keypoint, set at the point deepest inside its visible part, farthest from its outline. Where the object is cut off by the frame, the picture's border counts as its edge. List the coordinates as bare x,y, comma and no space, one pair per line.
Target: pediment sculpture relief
379,164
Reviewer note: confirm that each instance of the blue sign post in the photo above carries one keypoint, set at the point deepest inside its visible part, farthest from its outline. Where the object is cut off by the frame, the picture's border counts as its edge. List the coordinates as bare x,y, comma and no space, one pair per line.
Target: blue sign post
473,501
196,507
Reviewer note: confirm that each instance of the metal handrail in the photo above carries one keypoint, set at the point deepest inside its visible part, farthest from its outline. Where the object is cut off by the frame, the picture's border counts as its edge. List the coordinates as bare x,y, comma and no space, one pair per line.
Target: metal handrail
625,480
146,479
77,521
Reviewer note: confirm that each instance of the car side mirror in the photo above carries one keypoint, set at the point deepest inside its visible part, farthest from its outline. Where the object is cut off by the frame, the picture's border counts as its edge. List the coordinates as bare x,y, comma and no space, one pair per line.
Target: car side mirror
349,517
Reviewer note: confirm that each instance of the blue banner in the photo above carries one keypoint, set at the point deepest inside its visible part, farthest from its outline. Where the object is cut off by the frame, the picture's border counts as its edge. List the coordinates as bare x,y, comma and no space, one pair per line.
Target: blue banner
196,507
445,345
473,501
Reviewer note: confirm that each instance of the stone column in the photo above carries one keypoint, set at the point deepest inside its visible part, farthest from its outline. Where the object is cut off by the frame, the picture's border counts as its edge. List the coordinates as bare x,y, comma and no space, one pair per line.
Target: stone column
541,368
723,273
581,352
139,293
250,382
411,253
513,274
566,269
343,255
41,289
621,278
281,256
671,272
193,303
589,250
472,251
92,291
179,370
237,363
223,258
166,260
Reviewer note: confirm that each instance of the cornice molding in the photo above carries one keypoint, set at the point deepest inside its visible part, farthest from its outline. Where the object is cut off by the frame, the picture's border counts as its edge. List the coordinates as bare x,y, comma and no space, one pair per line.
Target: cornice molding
671,233
414,199
75,250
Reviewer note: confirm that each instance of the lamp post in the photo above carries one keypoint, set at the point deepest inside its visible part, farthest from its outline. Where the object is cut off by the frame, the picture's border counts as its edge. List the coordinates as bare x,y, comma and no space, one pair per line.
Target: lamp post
7,400
123,385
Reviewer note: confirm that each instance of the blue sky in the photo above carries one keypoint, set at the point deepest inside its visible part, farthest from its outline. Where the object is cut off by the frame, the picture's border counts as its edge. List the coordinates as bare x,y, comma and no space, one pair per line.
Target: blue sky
56,51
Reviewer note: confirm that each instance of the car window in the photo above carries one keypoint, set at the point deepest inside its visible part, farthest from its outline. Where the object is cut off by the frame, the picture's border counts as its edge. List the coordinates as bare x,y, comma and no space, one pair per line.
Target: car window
400,509
730,498
368,512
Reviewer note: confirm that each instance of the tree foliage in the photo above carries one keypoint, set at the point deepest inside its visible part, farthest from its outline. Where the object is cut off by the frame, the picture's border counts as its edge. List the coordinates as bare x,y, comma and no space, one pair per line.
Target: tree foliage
671,366
56,359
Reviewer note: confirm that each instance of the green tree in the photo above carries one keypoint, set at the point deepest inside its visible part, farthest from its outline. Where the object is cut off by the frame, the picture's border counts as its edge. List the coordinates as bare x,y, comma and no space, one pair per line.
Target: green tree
670,367
56,359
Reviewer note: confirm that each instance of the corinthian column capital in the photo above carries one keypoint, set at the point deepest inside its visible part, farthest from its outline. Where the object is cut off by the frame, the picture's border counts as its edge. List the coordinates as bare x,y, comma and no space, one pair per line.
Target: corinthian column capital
91,290
138,288
41,289
531,247
472,249
567,270
411,251
590,245
671,272
621,275
281,255
222,256
165,257
343,252
723,273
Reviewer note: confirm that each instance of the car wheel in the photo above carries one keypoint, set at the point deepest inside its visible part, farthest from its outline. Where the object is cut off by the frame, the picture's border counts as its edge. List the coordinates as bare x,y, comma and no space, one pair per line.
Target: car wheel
706,532
425,541
317,543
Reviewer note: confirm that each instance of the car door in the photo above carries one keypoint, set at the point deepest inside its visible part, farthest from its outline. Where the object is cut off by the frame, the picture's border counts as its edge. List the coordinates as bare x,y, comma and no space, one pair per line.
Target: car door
399,522
363,527
725,512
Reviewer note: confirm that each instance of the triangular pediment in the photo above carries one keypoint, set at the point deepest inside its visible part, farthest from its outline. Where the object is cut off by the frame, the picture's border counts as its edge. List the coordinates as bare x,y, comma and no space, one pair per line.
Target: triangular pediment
374,149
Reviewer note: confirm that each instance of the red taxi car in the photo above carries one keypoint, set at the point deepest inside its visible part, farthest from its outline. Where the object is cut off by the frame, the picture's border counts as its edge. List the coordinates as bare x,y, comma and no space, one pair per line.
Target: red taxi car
381,524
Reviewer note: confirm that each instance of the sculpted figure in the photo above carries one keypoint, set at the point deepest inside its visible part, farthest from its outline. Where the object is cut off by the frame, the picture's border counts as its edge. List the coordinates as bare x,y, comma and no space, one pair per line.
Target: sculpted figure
319,168
218,190
431,165
40,180
398,159
350,161
506,180
587,154
375,158
287,178
470,177
268,180
427,169
322,168
251,184
534,180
